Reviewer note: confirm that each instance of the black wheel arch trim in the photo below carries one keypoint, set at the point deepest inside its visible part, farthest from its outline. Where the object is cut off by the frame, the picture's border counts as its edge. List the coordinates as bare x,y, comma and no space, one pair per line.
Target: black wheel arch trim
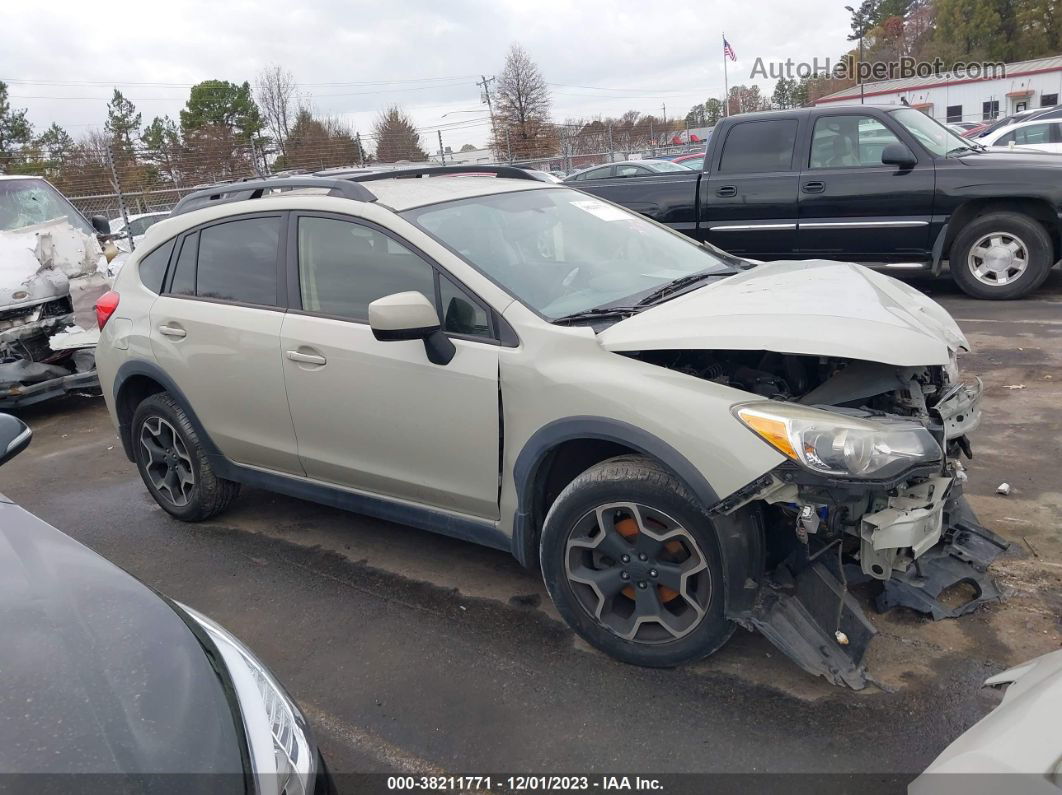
150,370
741,544
480,531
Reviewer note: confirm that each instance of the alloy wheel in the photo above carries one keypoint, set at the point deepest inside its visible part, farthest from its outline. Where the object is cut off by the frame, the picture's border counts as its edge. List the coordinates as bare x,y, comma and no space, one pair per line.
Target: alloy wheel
998,258
638,572
168,465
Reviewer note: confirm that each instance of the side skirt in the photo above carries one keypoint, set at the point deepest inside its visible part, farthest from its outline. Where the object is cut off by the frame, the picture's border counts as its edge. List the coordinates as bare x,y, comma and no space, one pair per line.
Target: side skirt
465,528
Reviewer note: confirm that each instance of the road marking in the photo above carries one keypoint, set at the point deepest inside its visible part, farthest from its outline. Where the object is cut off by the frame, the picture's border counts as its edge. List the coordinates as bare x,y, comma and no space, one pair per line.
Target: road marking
363,740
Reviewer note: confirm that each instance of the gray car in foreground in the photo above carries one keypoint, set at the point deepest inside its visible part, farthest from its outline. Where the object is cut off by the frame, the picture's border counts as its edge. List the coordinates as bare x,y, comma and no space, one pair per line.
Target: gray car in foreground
108,686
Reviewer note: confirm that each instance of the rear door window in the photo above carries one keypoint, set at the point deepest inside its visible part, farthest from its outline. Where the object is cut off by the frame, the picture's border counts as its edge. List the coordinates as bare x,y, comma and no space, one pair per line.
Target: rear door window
238,261
756,147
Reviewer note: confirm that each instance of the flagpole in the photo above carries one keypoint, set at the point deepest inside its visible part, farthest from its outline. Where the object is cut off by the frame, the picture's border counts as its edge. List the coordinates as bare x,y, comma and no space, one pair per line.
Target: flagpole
726,86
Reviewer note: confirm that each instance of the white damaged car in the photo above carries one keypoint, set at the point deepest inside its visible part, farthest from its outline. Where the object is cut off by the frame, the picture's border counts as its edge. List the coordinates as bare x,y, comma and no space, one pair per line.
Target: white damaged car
683,441
52,270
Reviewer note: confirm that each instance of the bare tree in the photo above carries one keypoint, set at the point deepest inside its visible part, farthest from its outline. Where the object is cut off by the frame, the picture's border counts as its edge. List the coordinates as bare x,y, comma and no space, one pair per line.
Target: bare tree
523,105
276,91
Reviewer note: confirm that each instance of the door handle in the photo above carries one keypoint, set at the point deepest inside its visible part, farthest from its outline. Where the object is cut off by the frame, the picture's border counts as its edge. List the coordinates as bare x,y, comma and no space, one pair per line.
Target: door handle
173,331
306,358
813,187
726,190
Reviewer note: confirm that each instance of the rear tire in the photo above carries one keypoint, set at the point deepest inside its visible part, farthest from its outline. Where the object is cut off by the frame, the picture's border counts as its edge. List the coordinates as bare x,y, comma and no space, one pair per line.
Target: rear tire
631,560
1002,255
173,464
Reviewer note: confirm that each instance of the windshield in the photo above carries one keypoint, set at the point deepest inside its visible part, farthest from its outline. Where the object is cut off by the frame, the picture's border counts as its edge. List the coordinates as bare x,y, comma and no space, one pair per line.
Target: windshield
560,251
24,202
933,135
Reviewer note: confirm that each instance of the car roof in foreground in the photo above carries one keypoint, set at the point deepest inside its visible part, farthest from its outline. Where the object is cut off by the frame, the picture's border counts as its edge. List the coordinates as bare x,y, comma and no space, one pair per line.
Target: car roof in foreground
411,192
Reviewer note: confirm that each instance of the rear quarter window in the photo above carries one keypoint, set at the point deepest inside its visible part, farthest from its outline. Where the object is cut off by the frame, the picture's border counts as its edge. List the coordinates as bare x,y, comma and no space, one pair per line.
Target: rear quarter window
238,261
152,268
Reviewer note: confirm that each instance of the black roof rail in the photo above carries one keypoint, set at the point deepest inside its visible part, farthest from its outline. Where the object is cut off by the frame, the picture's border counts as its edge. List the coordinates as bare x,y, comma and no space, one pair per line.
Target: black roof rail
255,188
506,172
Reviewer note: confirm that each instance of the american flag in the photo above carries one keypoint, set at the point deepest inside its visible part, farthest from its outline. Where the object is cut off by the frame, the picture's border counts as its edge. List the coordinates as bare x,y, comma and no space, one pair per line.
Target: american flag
728,51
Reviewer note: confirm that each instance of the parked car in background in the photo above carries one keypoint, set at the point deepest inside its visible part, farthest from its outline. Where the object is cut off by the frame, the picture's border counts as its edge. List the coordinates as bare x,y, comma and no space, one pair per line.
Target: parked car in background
1053,112
693,161
138,225
884,186
533,369
543,176
1015,747
103,676
964,126
628,168
1040,135
52,270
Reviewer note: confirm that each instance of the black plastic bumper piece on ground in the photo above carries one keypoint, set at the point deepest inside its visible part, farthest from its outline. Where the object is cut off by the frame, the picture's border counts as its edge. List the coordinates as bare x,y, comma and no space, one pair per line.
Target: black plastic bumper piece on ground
46,390
799,615
963,559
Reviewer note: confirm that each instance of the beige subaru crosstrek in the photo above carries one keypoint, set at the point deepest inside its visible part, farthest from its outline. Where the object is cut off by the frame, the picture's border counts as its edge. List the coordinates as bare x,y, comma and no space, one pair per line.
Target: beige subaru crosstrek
682,440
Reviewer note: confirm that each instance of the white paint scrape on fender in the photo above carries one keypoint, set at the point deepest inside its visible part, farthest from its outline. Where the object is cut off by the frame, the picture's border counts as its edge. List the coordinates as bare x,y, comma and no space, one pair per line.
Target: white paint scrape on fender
814,308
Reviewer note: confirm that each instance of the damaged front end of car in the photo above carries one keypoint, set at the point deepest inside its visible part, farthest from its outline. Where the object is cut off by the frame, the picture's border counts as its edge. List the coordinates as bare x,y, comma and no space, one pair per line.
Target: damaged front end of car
51,275
870,494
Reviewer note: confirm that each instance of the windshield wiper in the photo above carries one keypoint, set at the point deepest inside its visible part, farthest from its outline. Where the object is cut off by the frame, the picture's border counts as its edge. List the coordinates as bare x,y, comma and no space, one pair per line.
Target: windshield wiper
675,285
599,312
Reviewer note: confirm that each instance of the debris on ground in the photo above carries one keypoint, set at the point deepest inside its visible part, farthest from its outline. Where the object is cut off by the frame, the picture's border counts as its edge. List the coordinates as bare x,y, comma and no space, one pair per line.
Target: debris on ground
1003,488
1014,386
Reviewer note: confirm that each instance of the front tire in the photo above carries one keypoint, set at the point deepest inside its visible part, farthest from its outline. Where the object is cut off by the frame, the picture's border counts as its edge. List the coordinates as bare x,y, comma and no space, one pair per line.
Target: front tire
631,560
1001,256
173,464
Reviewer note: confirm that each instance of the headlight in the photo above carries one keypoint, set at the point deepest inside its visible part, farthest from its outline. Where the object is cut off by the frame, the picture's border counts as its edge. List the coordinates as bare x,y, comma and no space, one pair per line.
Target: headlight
833,444
283,756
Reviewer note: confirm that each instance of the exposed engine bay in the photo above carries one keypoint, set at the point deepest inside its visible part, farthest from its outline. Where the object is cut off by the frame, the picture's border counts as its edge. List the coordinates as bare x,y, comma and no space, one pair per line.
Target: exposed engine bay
909,536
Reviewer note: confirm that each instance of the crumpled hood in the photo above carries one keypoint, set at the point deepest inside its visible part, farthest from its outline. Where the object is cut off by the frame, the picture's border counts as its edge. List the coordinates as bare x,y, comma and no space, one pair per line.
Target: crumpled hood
813,307
38,261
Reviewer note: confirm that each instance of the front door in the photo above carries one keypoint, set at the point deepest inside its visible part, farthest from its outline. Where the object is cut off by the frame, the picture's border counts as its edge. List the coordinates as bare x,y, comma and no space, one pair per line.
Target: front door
215,330
378,416
854,207
748,199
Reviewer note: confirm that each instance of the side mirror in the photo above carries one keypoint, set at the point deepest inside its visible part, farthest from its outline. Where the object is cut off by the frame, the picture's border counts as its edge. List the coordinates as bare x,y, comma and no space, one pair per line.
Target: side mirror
898,155
101,225
411,316
15,437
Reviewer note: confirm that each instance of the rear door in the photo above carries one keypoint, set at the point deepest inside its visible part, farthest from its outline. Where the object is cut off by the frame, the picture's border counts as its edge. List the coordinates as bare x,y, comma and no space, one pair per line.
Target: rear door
852,206
749,197
215,330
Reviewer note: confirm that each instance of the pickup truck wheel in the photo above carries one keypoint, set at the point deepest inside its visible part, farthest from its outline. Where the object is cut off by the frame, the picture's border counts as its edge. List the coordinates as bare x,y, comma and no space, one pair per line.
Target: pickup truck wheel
632,563
172,462
1001,255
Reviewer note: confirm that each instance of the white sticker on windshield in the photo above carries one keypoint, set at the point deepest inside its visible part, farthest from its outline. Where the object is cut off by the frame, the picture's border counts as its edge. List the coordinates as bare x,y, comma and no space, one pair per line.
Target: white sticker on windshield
606,212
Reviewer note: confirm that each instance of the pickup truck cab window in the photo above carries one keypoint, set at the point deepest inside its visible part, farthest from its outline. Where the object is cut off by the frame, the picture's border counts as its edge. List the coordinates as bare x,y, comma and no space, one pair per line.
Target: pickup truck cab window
849,141
756,147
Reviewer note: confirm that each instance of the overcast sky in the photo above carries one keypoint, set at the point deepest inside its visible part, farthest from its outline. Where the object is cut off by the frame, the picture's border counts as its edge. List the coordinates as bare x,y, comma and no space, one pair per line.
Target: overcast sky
61,58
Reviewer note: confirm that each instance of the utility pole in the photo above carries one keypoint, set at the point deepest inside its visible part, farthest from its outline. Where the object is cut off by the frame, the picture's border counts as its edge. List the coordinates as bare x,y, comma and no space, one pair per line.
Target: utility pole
361,152
485,85
610,155
117,186
442,152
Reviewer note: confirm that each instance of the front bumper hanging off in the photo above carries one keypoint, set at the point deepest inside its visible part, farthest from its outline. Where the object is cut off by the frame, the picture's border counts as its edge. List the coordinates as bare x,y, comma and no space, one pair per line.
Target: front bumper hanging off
809,614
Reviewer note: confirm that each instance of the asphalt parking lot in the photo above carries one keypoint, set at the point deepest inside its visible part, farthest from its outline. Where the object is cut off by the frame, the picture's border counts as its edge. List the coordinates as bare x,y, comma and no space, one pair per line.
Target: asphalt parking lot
412,652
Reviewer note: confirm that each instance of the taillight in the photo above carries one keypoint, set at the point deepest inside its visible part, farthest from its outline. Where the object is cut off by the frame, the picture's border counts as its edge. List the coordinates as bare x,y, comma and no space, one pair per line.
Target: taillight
105,307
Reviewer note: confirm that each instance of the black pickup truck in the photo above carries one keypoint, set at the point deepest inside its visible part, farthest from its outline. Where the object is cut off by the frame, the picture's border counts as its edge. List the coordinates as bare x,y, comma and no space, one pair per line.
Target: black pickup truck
881,185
